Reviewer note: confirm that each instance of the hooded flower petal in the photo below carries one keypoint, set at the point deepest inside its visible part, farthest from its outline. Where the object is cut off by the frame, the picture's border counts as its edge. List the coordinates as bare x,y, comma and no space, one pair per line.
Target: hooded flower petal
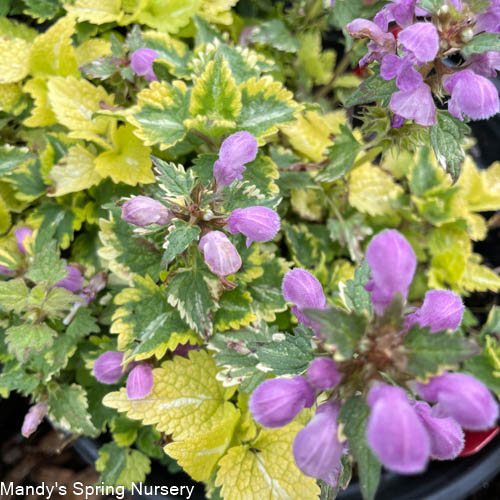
486,64
316,449
140,381
141,62
21,234
421,40
401,11
142,211
408,78
362,28
33,419
256,223
108,367
446,436
323,374
441,310
489,20
394,431
73,281
392,263
462,397
220,254
237,150
417,105
471,95
278,401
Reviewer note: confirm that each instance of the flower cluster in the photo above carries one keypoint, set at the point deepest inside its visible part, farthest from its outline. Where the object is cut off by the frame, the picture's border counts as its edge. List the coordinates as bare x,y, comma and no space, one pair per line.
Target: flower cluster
403,429
418,57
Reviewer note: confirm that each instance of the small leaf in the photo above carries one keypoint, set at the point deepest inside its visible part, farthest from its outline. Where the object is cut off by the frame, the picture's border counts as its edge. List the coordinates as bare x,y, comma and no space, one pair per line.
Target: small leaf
173,179
23,340
96,11
358,298
430,5
372,89
178,240
482,43
423,176
47,267
275,34
11,158
13,295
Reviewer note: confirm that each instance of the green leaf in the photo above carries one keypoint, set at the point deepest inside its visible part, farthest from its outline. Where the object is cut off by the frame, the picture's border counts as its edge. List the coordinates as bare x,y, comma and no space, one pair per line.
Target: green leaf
341,156
178,240
340,328
203,168
423,177
173,179
302,244
172,51
42,9
349,233
481,43
188,292
492,325
13,295
47,267
124,430
11,158
353,415
357,297
24,340
101,68
428,353
275,34
235,310
374,88
28,180
111,463
430,5
14,378
447,136
69,408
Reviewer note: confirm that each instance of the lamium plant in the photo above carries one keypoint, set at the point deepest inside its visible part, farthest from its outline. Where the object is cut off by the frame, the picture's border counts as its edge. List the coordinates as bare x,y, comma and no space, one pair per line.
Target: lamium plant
239,239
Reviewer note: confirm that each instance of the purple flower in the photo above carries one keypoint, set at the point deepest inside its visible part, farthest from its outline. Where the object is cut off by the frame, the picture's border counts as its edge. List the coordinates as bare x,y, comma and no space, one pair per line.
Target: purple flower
441,310
462,397
33,419
446,436
142,211
21,234
392,263
73,281
323,374
220,254
417,105
140,381
108,367
6,271
141,61
397,121
256,223
381,43
401,11
471,95
489,20
421,41
237,150
394,431
278,401
408,78
305,291
316,449
486,64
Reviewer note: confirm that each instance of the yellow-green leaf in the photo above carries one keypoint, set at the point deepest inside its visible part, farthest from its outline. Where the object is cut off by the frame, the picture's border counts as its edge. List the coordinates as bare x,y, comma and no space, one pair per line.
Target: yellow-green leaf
478,278
317,63
129,162
96,11
92,49
217,11
14,57
42,114
168,15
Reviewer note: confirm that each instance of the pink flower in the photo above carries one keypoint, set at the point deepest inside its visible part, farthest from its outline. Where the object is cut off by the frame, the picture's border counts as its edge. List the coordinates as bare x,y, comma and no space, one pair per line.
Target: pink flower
141,61
417,105
256,223
220,254
140,381
21,234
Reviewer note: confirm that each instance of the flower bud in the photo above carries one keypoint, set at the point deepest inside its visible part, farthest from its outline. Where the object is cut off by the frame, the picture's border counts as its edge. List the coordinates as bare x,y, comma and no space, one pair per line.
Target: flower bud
394,431
237,150
392,263
73,281
256,223
471,95
142,211
441,310
462,397
141,62
323,374
21,234
446,436
316,449
108,367
467,35
33,419
278,401
140,381
220,254
397,121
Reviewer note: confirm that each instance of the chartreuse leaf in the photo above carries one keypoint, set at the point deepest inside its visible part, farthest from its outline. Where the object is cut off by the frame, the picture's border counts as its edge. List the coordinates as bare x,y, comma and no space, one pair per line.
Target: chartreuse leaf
162,111
96,11
168,16
481,43
265,468
429,353
13,295
128,162
24,340
215,99
14,60
340,328
265,104
199,454
478,278
52,52
178,240
74,102
186,399
353,416
92,49
217,11
275,34
10,28
42,114
74,172
447,136
372,191
317,62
